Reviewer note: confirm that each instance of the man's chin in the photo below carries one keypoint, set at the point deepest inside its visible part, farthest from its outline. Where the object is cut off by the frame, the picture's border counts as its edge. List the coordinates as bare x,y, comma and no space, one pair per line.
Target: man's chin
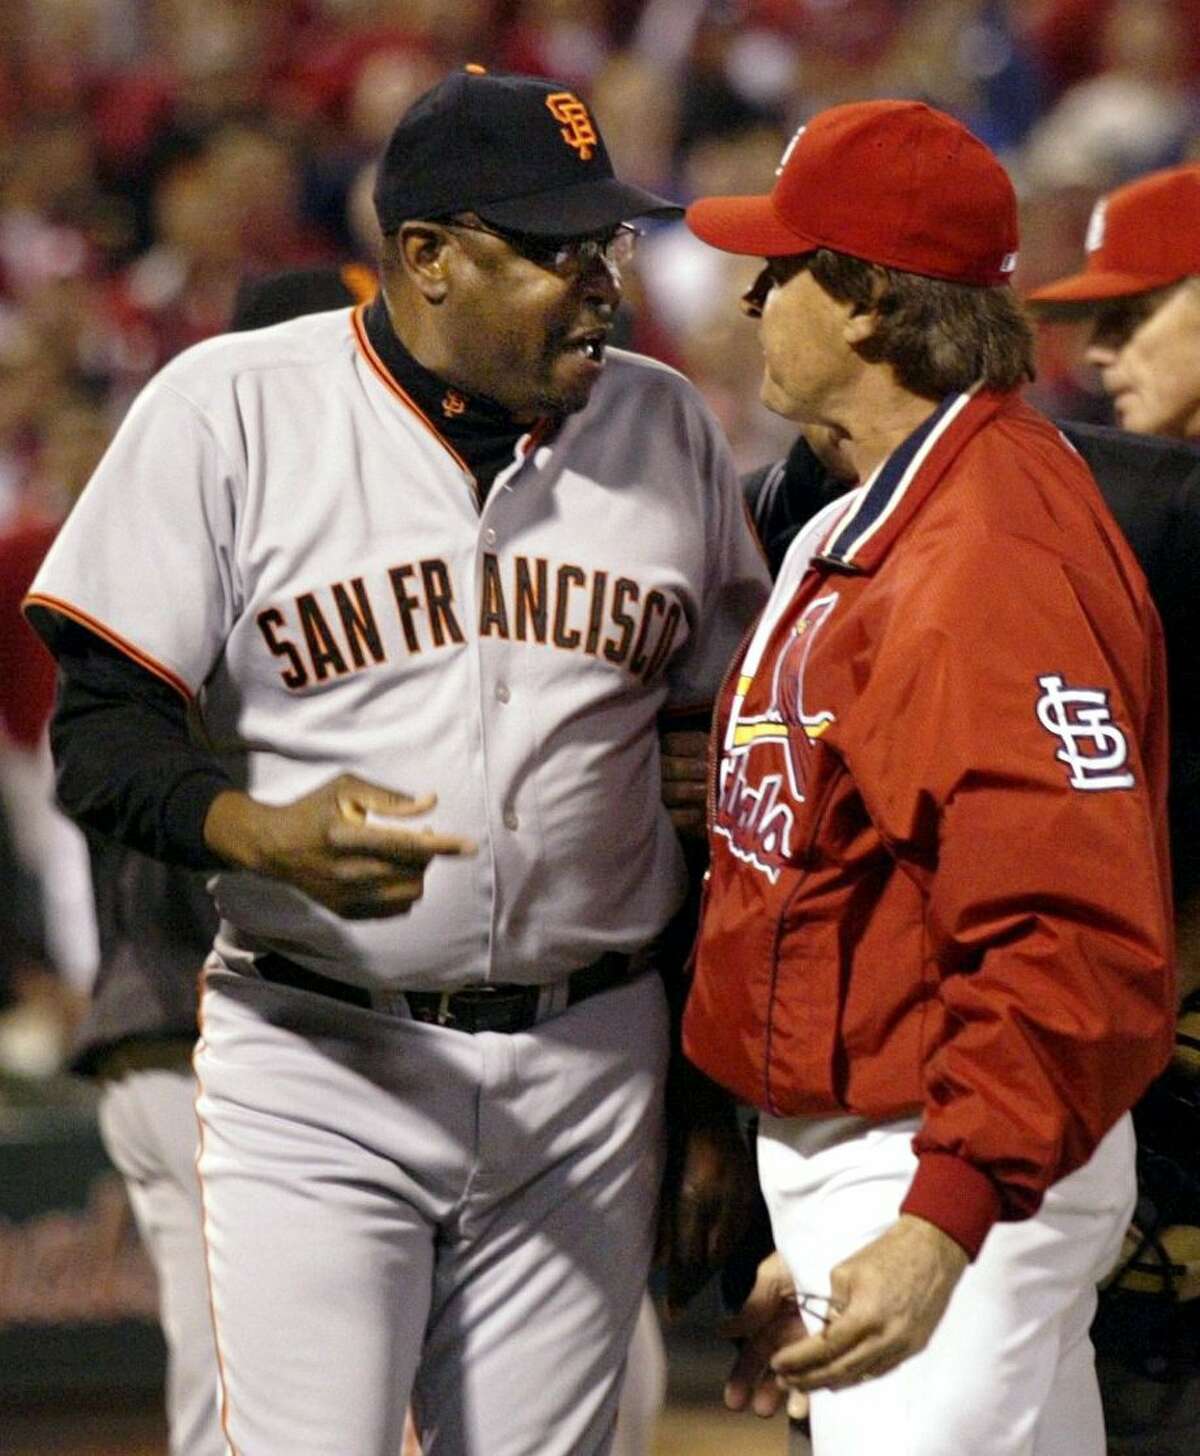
564,399
774,399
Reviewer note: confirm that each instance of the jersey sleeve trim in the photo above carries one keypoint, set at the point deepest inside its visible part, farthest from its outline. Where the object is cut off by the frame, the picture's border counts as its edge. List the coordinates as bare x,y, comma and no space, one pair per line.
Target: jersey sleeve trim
114,639
380,369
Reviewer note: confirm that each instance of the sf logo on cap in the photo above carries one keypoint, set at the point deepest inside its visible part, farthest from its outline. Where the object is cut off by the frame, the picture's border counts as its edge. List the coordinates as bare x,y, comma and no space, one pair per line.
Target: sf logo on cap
577,130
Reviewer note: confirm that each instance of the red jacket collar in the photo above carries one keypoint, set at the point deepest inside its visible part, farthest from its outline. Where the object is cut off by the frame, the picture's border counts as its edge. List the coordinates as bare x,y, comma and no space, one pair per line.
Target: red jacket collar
907,478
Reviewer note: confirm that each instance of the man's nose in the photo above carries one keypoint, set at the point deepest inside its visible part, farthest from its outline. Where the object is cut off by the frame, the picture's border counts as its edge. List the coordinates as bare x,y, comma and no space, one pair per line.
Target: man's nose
602,283
1100,353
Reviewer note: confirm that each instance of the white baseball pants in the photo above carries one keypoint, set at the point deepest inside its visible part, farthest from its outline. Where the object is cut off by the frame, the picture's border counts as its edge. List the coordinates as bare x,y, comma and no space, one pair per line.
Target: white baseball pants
1010,1371
394,1207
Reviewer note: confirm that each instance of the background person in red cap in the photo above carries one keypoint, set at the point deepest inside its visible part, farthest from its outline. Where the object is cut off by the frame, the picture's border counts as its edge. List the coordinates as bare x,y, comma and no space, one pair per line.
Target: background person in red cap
1139,288
936,951
427,572
1139,292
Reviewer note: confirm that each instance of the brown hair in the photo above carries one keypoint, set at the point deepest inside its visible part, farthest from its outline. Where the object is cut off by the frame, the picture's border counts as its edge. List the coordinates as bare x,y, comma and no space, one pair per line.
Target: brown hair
939,337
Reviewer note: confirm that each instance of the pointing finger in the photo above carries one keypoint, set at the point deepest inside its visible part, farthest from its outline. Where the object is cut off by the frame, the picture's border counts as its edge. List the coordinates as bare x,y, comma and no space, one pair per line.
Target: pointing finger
398,845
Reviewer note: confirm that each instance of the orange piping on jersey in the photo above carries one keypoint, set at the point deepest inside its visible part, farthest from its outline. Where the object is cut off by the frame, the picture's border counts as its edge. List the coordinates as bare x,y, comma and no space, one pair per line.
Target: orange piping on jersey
536,435
76,614
386,378
212,1303
361,281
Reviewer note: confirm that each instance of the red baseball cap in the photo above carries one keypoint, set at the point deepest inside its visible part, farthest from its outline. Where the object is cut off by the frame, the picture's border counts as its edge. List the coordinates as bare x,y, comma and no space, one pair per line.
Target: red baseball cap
891,182
1142,236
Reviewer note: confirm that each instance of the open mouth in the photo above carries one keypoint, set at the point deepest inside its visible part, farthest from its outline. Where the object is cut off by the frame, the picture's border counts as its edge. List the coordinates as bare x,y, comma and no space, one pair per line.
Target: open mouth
591,345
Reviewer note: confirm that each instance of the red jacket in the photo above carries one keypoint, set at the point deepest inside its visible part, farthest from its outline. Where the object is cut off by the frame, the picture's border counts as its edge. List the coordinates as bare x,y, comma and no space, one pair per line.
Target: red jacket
939,867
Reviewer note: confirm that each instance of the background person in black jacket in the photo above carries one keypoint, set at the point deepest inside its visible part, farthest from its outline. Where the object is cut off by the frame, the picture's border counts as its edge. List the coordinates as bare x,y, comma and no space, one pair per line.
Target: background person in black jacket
1139,291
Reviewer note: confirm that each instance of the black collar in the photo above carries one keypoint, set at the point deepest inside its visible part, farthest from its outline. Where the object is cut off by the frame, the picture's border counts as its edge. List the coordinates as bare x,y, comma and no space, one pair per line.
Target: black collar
482,432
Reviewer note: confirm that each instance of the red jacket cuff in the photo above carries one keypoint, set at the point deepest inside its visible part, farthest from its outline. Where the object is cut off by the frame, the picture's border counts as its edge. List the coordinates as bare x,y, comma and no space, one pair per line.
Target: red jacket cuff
954,1196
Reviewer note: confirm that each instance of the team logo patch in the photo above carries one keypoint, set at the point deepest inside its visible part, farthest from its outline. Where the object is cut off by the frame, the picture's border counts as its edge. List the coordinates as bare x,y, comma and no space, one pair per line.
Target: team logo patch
1095,227
453,404
1093,747
788,150
577,129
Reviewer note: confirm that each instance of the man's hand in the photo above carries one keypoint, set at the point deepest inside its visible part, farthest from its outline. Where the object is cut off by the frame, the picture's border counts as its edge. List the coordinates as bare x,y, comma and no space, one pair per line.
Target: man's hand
685,780
768,1321
888,1299
706,1206
348,845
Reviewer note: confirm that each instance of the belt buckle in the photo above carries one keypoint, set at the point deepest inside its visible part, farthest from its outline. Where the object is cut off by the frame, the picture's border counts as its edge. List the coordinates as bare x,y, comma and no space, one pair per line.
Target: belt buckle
490,1008
406,1003
479,1008
444,1016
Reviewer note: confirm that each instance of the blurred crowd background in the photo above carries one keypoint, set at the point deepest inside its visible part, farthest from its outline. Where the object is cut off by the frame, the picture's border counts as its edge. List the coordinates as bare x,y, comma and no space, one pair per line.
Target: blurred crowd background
155,153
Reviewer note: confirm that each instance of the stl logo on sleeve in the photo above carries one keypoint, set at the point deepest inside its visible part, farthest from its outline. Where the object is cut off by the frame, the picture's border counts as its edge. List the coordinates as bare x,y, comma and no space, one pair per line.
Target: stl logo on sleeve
1093,747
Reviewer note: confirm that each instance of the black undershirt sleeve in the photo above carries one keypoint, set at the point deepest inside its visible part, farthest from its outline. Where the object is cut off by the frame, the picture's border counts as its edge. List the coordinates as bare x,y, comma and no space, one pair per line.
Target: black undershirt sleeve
125,763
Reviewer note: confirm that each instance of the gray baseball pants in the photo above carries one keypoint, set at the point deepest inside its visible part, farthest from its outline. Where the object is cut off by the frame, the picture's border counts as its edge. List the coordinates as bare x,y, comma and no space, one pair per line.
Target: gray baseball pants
393,1207
147,1122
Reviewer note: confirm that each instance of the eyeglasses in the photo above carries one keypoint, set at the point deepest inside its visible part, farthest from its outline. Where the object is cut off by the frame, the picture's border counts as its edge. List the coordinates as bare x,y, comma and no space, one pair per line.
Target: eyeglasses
564,256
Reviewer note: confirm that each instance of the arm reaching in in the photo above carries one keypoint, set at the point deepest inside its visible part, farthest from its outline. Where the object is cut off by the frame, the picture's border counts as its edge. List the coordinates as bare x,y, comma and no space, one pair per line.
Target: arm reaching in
768,1321
685,780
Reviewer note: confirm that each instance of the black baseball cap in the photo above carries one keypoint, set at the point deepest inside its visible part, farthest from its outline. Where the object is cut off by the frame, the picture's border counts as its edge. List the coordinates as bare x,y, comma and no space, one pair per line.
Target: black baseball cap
522,153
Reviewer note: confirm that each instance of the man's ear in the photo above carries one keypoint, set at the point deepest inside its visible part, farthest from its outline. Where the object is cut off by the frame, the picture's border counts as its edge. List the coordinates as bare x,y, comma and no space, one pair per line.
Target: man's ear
863,318
859,327
423,253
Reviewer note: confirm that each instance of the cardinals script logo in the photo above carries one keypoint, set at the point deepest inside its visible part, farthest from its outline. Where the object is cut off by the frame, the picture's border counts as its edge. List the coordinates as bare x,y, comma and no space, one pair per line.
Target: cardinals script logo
764,766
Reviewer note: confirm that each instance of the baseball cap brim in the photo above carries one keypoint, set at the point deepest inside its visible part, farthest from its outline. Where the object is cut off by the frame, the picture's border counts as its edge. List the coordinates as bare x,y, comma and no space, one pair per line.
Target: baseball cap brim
1097,287
745,225
590,207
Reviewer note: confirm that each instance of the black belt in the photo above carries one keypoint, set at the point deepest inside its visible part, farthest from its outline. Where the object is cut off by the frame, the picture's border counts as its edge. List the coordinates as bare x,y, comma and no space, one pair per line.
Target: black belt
475,1008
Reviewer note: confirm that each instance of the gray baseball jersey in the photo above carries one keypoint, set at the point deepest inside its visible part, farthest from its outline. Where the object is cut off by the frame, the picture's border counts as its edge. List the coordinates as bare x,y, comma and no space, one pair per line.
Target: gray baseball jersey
310,565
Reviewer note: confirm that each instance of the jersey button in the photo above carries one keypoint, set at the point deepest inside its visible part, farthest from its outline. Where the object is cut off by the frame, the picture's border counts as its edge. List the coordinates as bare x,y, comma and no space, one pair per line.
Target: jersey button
489,536
510,819
502,693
